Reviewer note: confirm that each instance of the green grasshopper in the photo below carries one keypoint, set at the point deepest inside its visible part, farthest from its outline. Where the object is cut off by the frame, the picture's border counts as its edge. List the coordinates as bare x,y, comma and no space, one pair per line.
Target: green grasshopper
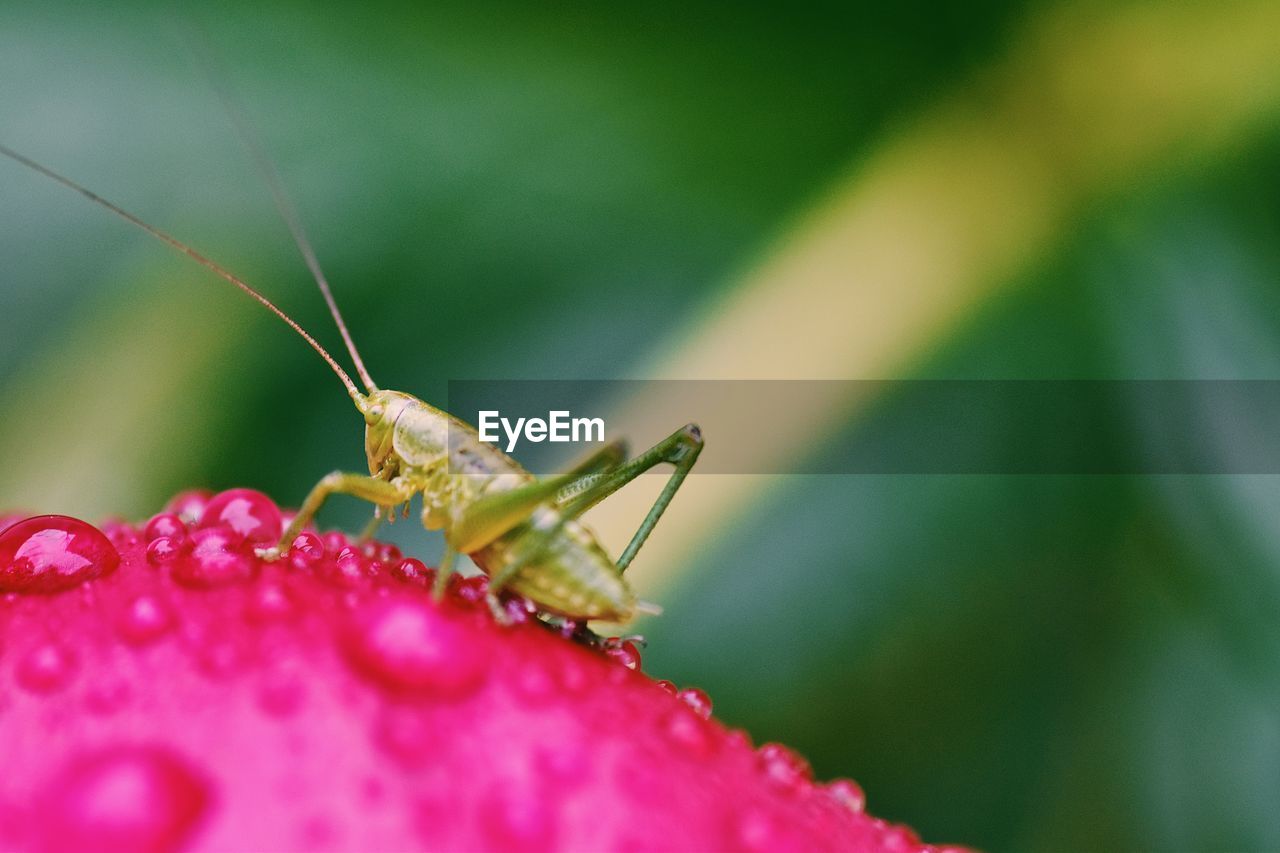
523,532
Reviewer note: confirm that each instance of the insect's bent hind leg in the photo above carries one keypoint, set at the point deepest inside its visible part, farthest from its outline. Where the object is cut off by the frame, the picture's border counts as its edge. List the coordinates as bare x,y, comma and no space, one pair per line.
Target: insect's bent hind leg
362,486
680,449
491,517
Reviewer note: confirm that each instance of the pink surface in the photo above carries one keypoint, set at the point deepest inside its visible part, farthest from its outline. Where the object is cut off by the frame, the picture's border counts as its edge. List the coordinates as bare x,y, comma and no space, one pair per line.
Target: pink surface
196,698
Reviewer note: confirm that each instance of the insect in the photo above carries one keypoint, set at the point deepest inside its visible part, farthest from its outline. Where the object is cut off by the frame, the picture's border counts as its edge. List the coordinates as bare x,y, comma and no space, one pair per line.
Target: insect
524,532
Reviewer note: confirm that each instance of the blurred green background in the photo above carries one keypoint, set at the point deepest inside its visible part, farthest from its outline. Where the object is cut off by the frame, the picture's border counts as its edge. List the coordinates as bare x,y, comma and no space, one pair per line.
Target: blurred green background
585,190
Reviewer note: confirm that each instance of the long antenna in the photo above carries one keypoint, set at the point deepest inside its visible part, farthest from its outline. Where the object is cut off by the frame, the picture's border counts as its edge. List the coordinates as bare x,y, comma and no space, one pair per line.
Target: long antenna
248,134
191,253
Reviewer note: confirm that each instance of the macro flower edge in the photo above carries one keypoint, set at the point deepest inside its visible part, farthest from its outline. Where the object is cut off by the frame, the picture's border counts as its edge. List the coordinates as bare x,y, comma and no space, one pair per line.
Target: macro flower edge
166,689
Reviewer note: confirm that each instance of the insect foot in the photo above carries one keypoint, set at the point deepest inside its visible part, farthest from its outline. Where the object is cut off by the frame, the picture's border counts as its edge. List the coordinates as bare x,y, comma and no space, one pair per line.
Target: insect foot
164,688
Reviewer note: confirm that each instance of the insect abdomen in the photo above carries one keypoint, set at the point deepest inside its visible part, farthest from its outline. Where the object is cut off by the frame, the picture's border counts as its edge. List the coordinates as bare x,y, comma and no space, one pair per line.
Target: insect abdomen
573,576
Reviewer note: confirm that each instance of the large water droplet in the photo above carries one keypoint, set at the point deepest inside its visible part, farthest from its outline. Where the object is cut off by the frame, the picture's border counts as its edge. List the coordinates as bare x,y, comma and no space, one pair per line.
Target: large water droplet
48,553
412,646
253,516
126,798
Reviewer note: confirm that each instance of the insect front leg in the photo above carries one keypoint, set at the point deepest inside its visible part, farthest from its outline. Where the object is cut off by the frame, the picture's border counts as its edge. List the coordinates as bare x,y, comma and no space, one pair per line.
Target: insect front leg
380,492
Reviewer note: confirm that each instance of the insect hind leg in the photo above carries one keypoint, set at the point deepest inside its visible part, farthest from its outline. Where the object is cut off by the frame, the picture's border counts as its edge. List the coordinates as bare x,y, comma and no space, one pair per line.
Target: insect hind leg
680,449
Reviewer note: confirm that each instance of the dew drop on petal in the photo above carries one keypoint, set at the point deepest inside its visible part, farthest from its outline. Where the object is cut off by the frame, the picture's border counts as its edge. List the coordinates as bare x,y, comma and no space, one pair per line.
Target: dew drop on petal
269,602
668,686
405,734
253,516
411,571
307,551
624,653
849,794
896,837
783,767
49,553
124,798
534,683
167,524
520,821
690,734
282,693
189,506
213,560
146,618
696,699
163,550
410,646
756,830
45,668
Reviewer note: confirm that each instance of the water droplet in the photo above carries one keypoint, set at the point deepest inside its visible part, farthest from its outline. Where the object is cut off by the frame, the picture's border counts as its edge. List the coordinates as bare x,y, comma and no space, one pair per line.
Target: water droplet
471,589
166,524
696,699
282,692
219,657
270,601
146,619
689,732
411,571
623,652
213,560
756,830
411,646
335,541
534,683
253,516
307,551
49,553
121,534
126,798
849,794
895,837
108,697
518,610
405,733
46,668
667,686
351,567
573,676
189,505
783,767
567,762
163,550
520,821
